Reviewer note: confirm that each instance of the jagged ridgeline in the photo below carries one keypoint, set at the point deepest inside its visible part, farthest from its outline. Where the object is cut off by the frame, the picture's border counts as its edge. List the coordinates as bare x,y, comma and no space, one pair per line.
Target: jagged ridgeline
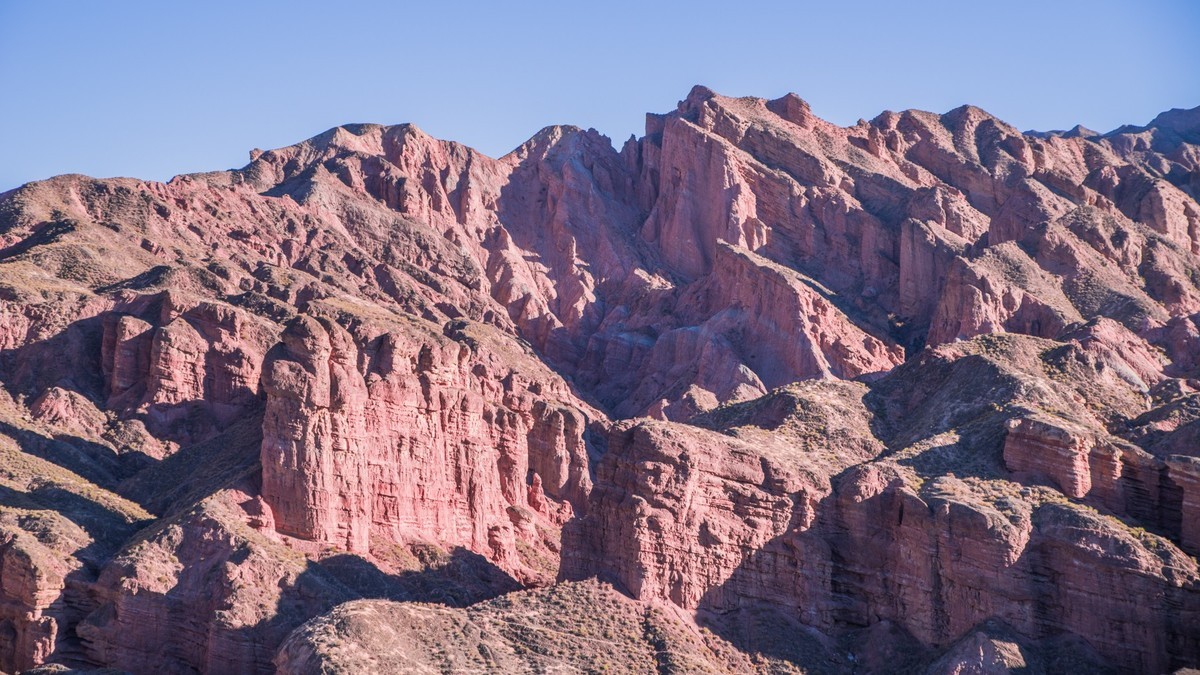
755,392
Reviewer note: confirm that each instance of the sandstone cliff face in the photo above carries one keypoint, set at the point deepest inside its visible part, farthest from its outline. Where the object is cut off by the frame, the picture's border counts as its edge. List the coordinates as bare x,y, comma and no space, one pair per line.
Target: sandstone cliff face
56,529
923,394
314,430
723,523
34,578
443,442
188,374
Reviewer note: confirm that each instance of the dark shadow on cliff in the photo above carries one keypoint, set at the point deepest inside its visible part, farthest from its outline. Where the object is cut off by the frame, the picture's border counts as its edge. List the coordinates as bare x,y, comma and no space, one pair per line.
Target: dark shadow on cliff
839,596
759,620
572,191
774,636
155,276
456,579
175,483
48,233
943,416
69,359
198,471
462,578
805,598
940,416
107,528
815,596
95,462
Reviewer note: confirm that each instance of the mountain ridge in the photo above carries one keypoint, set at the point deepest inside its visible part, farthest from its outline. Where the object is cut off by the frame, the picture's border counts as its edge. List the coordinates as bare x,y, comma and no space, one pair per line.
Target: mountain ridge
921,385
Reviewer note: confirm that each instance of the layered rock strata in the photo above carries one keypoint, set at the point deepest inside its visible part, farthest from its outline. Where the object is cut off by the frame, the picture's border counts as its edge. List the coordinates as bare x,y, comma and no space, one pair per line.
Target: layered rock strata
918,392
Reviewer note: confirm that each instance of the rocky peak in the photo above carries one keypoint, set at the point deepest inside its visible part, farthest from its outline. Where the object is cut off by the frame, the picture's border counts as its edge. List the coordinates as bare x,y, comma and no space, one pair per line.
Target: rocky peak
923,386
793,109
1183,122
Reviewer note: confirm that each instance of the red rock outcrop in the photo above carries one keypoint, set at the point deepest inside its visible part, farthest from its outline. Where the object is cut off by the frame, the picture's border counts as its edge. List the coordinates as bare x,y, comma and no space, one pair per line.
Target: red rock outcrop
55,529
720,525
202,592
1184,473
196,368
315,462
1002,291
32,580
1052,449
924,387
1084,465
443,441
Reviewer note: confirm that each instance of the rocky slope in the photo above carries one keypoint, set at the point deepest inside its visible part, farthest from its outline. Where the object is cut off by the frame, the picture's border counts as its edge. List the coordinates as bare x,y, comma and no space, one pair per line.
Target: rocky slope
914,394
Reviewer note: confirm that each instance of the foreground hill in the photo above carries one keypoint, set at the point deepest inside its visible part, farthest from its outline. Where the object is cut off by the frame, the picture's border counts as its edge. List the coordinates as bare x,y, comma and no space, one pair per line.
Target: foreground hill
918,394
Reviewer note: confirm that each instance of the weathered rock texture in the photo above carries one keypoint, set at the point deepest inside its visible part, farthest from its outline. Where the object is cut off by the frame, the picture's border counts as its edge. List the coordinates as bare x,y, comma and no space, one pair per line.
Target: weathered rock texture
582,626
918,520
918,394
448,442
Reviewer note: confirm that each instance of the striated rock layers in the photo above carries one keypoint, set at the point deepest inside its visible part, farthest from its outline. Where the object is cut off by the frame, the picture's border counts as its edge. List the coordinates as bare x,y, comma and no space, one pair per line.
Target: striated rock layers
937,517
441,441
920,394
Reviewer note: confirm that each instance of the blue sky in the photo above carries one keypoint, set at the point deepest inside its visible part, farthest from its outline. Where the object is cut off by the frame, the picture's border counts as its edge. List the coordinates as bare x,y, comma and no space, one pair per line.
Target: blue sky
151,89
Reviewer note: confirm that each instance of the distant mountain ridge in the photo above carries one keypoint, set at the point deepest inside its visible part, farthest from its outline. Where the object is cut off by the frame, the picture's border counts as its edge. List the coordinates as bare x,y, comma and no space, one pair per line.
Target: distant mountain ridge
1181,124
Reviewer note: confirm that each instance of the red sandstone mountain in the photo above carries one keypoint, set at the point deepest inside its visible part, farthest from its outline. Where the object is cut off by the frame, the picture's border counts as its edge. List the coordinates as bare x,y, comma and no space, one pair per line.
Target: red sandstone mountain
921,395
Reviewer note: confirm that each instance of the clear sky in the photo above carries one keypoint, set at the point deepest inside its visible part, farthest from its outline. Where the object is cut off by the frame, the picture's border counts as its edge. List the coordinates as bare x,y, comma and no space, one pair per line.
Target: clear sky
155,88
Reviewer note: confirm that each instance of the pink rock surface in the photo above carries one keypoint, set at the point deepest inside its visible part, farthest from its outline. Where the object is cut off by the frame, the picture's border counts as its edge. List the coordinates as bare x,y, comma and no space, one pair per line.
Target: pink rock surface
441,442
1184,473
31,579
922,386
720,525
1054,450
204,592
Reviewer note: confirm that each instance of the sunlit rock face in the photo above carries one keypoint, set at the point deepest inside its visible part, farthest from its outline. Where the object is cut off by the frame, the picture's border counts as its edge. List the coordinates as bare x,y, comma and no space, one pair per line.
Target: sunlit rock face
752,392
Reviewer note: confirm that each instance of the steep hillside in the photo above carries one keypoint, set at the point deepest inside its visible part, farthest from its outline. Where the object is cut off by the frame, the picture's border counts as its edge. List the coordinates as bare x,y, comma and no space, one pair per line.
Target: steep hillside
918,394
